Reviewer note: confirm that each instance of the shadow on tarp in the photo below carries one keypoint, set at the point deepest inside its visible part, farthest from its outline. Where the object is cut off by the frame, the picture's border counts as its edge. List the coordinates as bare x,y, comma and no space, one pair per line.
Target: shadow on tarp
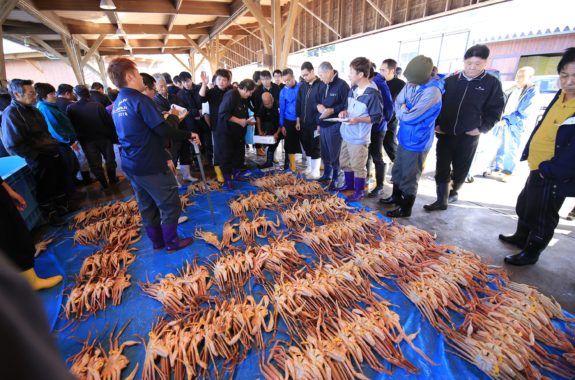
142,312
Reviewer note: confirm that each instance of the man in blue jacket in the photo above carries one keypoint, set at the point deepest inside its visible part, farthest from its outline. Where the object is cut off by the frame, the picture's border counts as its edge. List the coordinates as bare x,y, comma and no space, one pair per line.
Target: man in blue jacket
518,104
333,101
142,131
416,108
288,118
550,154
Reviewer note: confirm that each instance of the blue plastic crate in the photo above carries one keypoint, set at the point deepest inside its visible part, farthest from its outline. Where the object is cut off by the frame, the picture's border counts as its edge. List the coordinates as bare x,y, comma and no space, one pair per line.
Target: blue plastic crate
16,173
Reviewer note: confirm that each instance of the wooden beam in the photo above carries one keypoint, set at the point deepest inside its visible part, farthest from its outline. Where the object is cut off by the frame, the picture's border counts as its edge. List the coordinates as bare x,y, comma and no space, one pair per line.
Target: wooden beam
204,8
288,33
93,49
235,52
96,28
172,20
407,5
319,19
6,8
378,10
181,62
115,20
3,75
256,11
199,63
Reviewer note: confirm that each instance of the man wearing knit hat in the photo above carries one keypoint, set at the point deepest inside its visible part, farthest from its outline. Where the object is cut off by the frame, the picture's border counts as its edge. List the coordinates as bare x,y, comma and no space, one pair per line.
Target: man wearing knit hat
416,108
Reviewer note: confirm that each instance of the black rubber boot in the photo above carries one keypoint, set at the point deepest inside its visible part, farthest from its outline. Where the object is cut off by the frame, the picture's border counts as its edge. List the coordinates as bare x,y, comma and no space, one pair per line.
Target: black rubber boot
518,239
379,178
395,197
453,193
404,209
528,256
51,215
112,177
86,179
441,202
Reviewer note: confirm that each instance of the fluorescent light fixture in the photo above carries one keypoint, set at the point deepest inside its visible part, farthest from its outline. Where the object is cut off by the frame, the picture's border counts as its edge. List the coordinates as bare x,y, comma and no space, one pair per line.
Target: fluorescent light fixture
107,4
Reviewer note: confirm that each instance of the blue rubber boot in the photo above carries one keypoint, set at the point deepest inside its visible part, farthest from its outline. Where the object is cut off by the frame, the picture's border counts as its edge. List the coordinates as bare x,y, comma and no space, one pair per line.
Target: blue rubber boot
359,190
348,184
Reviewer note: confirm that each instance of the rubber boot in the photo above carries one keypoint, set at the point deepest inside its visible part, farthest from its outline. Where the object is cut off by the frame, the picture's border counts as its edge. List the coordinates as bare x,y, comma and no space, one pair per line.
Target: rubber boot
394,198
405,207
334,178
228,182
269,160
308,166
103,181
359,190
65,204
292,164
112,177
156,236
453,193
327,172
528,256
171,239
349,182
38,283
236,173
86,179
315,169
51,215
219,175
441,202
380,170
186,176
518,239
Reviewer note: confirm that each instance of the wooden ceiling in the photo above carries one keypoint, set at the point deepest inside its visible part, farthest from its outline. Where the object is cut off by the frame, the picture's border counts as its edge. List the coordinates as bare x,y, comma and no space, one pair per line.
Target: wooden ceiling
240,31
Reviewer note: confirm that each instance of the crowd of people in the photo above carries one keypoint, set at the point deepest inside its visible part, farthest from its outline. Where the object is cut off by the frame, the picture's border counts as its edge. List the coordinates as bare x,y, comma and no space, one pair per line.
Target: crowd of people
66,134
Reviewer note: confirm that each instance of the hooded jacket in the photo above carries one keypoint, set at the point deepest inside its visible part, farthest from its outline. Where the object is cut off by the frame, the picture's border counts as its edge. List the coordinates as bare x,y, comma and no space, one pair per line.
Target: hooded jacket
288,103
334,96
59,125
469,104
308,97
561,168
388,106
369,103
25,132
417,117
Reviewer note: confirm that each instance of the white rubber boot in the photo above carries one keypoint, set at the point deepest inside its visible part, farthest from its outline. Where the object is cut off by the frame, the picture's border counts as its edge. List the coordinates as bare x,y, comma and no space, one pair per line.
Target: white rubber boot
307,171
315,169
186,176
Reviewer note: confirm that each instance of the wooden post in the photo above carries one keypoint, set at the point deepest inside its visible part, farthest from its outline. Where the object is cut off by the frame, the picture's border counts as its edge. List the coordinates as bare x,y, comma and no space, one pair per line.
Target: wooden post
73,59
288,36
3,75
191,62
103,73
276,39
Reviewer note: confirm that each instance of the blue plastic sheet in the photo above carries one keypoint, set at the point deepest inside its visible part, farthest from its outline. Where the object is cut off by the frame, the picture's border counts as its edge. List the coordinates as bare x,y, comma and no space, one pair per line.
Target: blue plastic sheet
63,257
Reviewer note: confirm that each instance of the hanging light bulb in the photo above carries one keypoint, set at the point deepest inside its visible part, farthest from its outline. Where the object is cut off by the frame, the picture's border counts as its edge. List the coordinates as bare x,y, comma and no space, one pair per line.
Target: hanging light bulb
107,4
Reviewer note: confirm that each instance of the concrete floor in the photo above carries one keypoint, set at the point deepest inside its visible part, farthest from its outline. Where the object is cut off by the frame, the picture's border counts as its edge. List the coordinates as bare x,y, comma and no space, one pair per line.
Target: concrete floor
486,208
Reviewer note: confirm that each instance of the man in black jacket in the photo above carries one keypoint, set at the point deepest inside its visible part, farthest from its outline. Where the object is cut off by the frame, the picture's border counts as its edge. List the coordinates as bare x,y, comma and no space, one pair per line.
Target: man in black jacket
472,103
25,134
189,98
256,100
308,98
213,96
387,70
96,134
65,96
97,94
333,101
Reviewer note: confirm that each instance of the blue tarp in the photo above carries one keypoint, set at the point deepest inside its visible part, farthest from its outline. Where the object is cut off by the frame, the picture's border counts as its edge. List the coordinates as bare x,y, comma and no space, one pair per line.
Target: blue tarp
65,258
